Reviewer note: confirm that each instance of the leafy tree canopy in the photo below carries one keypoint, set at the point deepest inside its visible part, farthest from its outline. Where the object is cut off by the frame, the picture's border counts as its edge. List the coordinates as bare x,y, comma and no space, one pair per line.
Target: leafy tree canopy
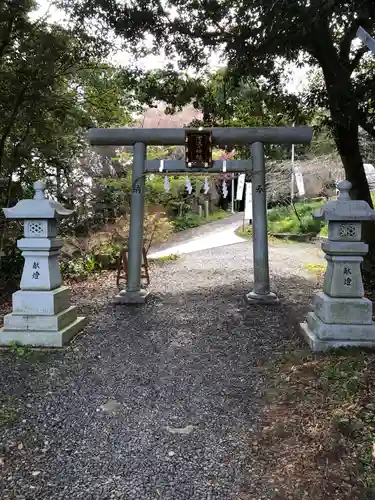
53,86
256,36
224,101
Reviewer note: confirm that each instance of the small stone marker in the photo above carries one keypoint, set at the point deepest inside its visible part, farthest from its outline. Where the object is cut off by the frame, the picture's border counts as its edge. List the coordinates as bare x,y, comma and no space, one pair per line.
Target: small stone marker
180,430
342,316
41,313
111,406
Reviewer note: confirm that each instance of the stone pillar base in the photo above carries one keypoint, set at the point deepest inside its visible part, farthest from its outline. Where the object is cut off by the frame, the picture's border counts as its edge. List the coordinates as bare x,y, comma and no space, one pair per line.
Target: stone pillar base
342,311
125,297
44,338
319,345
41,318
257,298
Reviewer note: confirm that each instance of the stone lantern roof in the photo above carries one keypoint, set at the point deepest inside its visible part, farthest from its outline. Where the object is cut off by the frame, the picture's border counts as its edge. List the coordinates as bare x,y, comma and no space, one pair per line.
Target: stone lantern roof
40,207
344,208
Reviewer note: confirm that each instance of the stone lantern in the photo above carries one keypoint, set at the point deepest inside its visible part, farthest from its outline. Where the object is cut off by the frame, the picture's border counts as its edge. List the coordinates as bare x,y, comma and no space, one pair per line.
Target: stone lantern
342,316
41,313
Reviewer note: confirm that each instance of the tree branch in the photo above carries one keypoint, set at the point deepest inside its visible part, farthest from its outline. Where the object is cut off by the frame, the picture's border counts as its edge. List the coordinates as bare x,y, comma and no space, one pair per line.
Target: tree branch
368,127
7,38
10,124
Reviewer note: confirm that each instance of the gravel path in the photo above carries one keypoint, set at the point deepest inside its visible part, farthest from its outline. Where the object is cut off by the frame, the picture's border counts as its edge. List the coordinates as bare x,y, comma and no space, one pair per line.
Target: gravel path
160,401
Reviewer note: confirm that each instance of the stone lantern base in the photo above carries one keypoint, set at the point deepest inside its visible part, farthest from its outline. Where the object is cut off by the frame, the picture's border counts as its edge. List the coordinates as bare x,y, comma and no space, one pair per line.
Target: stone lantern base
41,318
342,316
339,322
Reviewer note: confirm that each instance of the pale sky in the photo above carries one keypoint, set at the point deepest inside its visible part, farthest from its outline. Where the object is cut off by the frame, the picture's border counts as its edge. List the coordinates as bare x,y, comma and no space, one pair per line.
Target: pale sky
295,84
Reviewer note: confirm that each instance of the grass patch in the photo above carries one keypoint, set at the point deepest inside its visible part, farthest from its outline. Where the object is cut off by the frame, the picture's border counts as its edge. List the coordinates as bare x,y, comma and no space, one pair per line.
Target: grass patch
318,269
27,355
318,435
189,220
166,258
218,215
244,232
247,234
283,219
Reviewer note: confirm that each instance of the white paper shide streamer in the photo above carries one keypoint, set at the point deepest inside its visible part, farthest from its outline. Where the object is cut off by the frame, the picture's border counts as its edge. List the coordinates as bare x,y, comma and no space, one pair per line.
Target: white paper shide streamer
188,185
248,202
206,185
166,184
240,186
225,189
299,181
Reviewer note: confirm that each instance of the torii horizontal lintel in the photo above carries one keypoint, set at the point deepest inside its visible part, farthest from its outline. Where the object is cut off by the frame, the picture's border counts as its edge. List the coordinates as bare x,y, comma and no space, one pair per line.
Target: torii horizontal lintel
221,137
218,166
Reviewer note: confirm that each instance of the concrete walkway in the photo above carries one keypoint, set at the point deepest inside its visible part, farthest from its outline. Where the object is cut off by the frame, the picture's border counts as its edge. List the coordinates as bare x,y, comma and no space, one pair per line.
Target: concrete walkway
216,234
222,234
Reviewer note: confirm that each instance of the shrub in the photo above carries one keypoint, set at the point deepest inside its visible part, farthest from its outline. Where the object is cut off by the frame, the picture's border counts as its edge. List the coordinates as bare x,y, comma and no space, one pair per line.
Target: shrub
11,267
106,256
100,251
283,219
324,229
278,213
309,225
182,222
79,267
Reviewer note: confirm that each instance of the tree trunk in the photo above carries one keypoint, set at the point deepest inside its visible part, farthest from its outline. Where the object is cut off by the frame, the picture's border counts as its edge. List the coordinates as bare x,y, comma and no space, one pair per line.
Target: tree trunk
344,115
347,141
348,147
343,106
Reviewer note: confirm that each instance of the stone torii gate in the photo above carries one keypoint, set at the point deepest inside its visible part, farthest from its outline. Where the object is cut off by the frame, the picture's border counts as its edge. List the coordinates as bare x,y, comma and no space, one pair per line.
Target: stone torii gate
141,138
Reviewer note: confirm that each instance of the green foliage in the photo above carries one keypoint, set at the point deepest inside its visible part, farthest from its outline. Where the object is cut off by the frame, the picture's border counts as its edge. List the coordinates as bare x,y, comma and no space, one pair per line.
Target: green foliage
189,220
39,105
258,38
293,225
53,87
283,219
105,256
79,267
18,349
107,99
83,264
11,267
217,215
182,222
117,193
317,269
324,230
84,256
99,258
175,201
167,258
245,232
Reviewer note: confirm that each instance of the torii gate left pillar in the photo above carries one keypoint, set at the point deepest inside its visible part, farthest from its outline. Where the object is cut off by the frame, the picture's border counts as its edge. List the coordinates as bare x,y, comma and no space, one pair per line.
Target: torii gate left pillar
257,137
